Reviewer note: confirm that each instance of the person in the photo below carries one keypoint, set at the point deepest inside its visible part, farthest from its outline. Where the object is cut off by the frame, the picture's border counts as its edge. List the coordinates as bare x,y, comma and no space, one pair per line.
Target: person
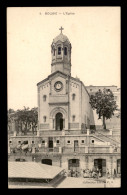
84,174
94,174
99,172
76,173
65,174
71,173
88,173
108,174
114,175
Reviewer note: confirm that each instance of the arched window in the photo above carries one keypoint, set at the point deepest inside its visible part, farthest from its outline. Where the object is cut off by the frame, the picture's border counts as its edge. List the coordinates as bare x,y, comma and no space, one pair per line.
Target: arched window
59,50
73,118
73,96
44,118
44,98
65,50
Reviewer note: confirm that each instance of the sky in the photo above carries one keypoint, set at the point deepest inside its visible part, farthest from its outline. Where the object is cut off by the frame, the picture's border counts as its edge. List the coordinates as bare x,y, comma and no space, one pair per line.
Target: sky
94,33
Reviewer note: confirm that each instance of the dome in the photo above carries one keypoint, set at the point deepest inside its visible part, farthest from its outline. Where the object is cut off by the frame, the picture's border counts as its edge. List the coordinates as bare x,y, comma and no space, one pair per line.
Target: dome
61,38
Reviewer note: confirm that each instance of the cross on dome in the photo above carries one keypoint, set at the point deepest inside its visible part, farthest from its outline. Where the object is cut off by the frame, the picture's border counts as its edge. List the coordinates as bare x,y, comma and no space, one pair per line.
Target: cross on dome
61,29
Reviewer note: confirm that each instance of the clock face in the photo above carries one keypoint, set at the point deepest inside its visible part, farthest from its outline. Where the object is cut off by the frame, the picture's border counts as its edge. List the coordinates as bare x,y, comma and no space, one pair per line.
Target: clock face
58,86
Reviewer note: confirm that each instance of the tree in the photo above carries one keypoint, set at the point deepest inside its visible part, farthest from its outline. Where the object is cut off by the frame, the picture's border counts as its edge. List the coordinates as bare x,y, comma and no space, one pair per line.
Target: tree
26,117
10,111
118,114
23,119
103,102
11,114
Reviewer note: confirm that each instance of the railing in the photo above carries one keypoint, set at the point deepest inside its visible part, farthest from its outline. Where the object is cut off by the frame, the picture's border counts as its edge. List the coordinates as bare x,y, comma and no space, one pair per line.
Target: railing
75,132
56,132
72,150
28,133
99,150
46,150
82,150
69,150
114,142
50,132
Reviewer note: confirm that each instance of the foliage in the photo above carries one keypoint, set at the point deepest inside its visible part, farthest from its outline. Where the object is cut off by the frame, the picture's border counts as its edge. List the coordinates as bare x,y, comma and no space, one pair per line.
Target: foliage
10,111
25,118
118,114
104,104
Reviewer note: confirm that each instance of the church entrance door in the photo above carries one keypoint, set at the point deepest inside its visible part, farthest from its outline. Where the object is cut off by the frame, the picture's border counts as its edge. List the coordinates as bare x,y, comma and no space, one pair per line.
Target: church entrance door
59,121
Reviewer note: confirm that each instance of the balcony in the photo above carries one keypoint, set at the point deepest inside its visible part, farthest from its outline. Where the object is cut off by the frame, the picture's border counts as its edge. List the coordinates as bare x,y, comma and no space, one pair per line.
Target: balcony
66,150
24,134
56,132
48,150
83,150
99,150
50,132
55,99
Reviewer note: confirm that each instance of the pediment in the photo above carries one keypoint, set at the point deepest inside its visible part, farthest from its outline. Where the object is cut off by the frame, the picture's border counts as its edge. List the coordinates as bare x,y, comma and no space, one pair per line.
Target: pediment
52,76
57,74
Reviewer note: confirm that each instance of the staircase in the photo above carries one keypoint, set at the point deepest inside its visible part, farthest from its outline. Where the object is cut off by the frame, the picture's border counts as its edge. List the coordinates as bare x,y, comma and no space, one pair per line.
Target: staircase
107,139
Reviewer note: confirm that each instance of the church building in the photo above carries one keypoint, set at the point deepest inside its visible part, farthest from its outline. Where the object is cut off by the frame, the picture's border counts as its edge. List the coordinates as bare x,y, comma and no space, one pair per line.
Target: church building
63,101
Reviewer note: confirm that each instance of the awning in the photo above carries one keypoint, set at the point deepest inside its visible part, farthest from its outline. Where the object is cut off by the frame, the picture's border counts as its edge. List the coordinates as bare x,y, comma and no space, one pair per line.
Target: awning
32,170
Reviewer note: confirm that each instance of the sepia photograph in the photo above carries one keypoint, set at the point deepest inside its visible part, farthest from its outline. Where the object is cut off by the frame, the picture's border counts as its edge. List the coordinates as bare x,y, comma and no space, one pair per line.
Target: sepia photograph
64,97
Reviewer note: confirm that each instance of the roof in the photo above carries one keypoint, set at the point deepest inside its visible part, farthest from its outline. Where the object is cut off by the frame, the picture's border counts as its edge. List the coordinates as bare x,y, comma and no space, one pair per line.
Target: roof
61,38
32,170
76,79
52,74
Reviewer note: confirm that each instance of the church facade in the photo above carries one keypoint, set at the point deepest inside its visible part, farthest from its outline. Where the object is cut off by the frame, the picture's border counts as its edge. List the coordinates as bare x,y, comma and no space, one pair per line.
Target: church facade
63,101
65,119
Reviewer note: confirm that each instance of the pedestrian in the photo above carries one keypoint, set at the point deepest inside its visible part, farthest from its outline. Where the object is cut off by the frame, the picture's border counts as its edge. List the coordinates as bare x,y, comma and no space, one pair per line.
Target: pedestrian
108,174
100,173
65,174
114,172
71,173
94,174
76,173
97,173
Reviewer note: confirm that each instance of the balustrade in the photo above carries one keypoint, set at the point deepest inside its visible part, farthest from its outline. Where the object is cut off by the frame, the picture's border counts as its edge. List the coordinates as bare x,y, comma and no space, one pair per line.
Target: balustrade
65,150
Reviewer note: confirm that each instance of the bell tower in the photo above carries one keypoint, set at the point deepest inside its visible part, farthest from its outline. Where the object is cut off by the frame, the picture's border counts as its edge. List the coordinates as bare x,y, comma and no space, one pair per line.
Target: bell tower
61,54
